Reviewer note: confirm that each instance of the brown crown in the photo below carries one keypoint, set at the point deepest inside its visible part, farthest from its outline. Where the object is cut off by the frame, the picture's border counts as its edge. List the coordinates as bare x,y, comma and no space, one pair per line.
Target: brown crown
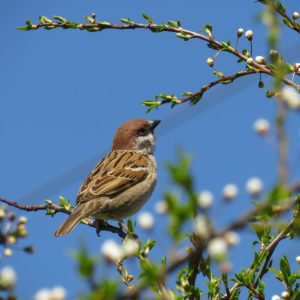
126,134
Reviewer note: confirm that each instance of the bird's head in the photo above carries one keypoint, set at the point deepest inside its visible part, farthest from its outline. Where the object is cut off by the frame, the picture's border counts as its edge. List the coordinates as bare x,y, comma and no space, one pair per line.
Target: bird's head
136,134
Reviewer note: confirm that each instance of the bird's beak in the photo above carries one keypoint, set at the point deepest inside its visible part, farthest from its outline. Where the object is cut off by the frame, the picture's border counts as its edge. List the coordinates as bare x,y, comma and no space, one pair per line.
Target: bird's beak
154,124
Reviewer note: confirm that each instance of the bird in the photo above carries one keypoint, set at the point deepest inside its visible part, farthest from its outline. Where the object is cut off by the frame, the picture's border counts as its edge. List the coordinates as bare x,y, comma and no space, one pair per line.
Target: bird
122,182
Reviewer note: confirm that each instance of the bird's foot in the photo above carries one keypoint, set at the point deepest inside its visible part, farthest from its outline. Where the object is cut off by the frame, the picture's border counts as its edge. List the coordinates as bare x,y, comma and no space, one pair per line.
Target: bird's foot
99,224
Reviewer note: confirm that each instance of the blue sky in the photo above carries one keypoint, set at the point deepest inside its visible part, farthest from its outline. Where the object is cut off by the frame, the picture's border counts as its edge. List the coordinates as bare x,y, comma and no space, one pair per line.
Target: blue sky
63,93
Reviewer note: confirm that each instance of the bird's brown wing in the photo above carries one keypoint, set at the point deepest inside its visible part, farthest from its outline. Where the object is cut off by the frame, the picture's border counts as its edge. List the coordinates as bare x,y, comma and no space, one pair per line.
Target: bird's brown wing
117,172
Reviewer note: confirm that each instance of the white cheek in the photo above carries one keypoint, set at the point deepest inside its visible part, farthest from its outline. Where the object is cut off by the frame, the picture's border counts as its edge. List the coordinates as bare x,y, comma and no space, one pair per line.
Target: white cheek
146,142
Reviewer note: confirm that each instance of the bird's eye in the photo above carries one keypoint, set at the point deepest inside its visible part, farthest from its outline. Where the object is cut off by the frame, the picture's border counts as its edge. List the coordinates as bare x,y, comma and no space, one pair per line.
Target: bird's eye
142,131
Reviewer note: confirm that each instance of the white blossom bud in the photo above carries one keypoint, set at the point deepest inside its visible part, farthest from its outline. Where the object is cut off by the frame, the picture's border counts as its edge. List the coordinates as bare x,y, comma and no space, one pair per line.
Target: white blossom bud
2,212
161,207
8,277
11,239
296,67
254,186
201,227
260,59
22,220
296,15
111,250
250,60
275,297
58,293
285,295
7,252
231,238
145,220
217,249
291,97
298,259
130,247
230,191
210,61
43,294
261,126
240,32
249,35
205,199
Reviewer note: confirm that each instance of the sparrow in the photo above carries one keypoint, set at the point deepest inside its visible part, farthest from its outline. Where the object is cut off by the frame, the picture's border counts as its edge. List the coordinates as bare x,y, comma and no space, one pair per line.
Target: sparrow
122,181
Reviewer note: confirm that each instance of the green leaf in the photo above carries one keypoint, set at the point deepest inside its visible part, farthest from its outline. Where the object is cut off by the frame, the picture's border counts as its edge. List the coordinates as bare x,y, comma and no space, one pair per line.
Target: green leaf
72,25
59,18
208,29
151,104
218,74
89,19
285,267
212,46
44,19
174,24
127,21
147,18
24,28
183,36
130,226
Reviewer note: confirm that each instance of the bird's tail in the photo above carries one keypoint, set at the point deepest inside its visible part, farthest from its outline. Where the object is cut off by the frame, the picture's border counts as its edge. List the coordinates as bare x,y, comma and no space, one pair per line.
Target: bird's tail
70,223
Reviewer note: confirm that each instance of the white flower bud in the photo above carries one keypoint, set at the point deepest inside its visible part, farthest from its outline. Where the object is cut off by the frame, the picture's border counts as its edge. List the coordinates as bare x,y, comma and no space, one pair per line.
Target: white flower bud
201,227
130,247
261,126
43,294
231,238
8,277
217,249
260,59
285,295
205,199
230,191
161,207
111,250
2,212
240,32
210,61
11,239
254,186
7,252
22,220
250,60
275,297
298,259
296,15
58,293
145,220
296,67
291,97
249,35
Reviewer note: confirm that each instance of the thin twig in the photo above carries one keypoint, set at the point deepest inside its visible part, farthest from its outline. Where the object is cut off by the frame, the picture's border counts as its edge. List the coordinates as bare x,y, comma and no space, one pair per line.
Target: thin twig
59,209
100,26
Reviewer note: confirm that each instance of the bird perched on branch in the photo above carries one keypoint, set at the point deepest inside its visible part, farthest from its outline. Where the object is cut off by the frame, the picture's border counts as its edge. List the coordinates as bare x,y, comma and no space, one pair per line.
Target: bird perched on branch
122,181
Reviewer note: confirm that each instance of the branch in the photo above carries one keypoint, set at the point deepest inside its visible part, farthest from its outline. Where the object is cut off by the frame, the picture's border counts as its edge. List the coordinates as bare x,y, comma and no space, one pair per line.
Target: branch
270,249
185,34
286,19
56,209
282,142
195,97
